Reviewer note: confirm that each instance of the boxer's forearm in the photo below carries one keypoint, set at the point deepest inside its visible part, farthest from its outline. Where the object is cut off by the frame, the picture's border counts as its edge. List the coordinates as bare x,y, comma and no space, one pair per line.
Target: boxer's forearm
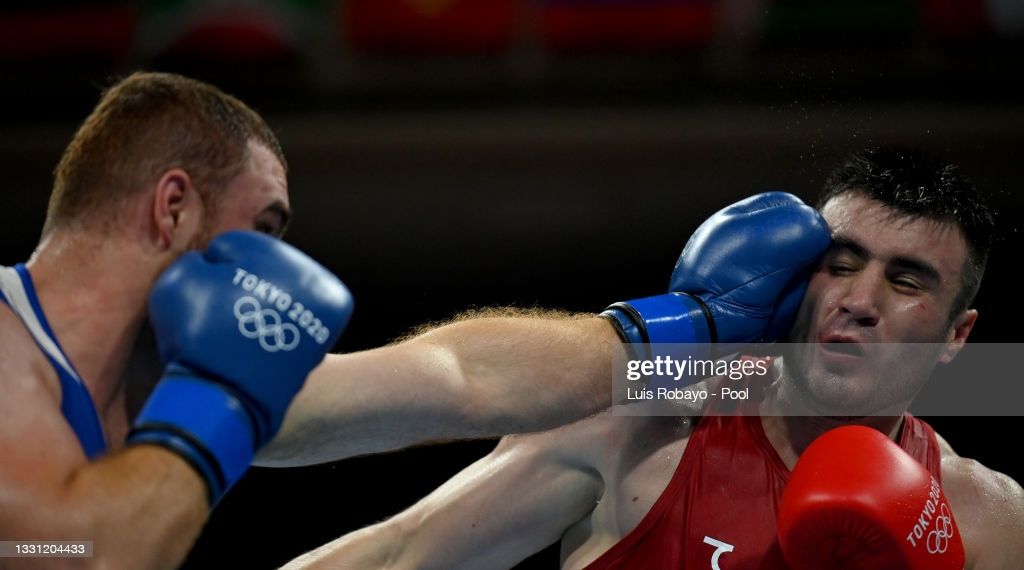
528,374
455,527
473,378
141,508
377,546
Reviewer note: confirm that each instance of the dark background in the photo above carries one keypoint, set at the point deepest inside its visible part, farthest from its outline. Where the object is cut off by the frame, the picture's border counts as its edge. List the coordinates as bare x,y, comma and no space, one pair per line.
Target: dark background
468,153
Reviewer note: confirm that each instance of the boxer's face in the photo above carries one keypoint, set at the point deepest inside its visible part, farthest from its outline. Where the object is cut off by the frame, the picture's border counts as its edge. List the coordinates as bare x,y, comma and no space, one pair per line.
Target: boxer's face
257,199
887,280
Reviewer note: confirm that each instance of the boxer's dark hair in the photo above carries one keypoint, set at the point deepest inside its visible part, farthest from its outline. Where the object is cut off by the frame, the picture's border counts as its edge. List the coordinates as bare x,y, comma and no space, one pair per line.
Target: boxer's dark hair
917,184
143,126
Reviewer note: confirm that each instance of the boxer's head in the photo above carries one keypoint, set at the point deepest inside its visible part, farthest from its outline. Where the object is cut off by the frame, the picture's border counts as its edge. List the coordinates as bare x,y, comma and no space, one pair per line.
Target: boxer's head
911,238
175,155
916,186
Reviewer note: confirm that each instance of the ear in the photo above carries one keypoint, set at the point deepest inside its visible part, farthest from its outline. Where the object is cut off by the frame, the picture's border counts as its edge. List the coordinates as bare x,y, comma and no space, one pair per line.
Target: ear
958,334
177,210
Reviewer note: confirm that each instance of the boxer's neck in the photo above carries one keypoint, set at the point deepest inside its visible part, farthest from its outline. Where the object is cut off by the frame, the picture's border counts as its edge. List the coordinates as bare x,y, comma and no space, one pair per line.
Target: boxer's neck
790,435
93,290
790,426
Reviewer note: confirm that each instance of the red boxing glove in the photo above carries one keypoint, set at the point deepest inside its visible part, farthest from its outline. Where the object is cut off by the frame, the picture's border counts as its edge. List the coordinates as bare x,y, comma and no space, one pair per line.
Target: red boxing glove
857,501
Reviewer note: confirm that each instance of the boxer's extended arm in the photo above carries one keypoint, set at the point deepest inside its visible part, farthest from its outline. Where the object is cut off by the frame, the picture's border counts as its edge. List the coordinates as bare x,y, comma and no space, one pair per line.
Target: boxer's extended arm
142,507
495,376
498,511
476,377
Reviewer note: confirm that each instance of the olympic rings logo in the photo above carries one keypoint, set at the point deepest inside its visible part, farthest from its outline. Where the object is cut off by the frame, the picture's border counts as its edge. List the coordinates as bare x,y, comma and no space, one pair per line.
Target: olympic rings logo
255,322
938,539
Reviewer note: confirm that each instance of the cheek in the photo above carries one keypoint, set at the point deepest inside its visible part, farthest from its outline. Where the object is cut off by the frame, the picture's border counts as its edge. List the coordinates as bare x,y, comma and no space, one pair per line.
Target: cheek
821,295
916,318
814,305
912,308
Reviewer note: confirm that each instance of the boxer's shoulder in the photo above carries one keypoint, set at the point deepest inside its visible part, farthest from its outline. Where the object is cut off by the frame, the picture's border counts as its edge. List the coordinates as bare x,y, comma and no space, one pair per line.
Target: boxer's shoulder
989,509
37,444
23,367
979,488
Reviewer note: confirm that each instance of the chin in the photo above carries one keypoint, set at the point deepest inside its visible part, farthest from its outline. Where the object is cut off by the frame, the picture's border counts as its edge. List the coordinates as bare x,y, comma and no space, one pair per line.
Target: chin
839,395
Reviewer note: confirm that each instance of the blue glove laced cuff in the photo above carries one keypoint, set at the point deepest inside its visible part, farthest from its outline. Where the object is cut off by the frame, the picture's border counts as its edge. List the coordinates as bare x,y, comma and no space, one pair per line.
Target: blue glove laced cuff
671,318
204,423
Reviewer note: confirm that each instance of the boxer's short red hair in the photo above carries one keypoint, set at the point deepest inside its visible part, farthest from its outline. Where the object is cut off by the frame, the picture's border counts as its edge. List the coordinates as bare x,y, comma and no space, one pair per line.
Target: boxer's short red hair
143,126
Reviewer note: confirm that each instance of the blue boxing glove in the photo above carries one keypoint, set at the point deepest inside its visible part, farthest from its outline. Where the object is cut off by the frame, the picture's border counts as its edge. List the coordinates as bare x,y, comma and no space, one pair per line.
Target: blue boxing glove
740,278
239,326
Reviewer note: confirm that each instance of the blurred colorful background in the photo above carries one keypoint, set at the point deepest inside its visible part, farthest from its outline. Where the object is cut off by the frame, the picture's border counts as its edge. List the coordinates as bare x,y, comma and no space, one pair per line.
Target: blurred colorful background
446,154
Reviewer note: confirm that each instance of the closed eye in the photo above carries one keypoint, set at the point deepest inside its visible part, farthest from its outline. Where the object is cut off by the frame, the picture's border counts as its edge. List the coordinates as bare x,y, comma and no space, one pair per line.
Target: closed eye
907,283
839,269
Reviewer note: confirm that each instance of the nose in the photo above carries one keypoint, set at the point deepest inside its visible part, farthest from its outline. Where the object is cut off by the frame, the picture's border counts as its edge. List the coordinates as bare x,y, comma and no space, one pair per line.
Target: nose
861,298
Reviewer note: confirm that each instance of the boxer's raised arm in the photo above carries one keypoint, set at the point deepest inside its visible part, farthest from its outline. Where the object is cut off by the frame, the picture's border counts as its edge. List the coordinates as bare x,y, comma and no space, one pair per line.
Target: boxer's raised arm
477,377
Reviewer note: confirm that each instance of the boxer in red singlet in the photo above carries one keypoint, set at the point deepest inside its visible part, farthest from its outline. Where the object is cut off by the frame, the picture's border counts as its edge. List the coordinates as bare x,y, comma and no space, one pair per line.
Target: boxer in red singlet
703,492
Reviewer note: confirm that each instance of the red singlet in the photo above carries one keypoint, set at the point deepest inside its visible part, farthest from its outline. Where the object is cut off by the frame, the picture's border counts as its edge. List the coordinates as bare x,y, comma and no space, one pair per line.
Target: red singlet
724,498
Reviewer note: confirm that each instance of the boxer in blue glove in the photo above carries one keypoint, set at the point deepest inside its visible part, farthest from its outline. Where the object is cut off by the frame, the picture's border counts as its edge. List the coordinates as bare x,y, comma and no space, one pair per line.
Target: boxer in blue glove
161,168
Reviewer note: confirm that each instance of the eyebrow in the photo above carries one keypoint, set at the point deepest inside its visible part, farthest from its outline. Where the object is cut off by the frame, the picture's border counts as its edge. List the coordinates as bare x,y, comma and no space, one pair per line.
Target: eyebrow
284,215
914,264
